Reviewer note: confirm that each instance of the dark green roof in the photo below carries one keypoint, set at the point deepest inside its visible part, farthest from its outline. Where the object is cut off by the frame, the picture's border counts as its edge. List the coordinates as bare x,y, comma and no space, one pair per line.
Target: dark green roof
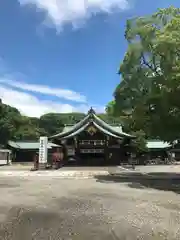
92,118
29,145
157,144
77,131
117,130
85,126
107,132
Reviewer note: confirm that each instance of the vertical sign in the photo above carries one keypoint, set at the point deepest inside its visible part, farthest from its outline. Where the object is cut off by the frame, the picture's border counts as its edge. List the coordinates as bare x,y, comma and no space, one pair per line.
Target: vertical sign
43,141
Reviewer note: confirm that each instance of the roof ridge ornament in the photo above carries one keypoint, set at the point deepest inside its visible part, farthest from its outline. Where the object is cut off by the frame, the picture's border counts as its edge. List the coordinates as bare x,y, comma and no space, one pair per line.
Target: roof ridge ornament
91,111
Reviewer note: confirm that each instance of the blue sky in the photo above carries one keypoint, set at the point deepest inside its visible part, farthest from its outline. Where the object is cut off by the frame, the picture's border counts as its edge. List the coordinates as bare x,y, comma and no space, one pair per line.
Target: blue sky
63,56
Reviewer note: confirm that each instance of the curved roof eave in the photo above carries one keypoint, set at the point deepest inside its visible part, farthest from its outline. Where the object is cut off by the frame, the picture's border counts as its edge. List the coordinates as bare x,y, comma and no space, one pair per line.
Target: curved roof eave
106,131
101,122
85,126
95,119
73,129
76,132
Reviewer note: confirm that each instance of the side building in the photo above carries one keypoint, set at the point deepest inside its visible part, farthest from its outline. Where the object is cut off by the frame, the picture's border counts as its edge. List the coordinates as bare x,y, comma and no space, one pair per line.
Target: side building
24,151
159,150
94,142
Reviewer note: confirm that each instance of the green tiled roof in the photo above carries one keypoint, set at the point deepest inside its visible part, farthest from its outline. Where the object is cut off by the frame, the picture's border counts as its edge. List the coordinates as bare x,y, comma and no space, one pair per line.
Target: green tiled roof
117,128
92,118
106,131
70,129
77,131
156,144
86,125
67,128
29,145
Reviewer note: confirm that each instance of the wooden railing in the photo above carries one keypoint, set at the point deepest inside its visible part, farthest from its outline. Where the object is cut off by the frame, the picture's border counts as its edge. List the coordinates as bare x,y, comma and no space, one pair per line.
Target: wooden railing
92,142
92,150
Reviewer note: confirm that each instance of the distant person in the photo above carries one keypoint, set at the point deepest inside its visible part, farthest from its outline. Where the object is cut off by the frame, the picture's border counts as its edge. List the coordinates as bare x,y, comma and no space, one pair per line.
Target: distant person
58,157
36,162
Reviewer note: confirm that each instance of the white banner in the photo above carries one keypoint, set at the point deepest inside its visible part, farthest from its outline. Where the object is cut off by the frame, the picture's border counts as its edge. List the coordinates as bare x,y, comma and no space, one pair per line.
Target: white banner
43,141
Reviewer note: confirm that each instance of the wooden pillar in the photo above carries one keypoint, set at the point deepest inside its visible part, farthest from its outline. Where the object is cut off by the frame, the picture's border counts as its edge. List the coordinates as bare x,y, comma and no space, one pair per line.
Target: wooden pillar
125,152
75,144
65,150
106,151
9,156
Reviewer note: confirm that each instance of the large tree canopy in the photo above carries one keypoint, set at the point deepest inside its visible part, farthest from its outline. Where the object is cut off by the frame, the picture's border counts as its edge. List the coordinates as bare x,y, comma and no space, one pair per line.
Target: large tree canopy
148,94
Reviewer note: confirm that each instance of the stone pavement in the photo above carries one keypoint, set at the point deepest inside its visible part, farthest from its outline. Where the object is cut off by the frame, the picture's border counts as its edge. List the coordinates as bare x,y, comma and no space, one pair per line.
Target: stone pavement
65,172
90,172
53,173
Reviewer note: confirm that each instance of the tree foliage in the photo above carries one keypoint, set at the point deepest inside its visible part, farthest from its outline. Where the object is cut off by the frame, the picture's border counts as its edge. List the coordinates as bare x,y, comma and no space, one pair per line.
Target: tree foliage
15,126
148,94
110,108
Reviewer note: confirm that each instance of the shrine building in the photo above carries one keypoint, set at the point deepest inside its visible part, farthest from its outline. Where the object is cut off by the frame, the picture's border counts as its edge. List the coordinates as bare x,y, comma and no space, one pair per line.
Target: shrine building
92,141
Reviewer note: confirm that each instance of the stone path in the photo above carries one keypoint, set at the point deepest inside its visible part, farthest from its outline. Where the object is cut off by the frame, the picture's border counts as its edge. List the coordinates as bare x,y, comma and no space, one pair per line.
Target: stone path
65,172
55,173
90,172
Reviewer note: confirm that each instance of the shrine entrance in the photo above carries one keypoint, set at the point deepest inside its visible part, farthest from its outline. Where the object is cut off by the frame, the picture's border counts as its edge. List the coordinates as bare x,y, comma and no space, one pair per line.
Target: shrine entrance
92,157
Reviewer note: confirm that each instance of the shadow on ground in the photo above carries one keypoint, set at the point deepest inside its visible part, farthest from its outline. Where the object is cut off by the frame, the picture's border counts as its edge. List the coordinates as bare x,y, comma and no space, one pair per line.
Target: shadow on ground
162,181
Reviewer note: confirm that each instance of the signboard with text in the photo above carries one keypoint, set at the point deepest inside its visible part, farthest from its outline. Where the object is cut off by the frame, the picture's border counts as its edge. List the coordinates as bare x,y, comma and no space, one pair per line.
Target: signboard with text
43,141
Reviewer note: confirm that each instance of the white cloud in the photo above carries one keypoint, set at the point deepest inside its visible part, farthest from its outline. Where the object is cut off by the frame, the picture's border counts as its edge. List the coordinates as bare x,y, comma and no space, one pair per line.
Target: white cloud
30,105
21,96
73,11
43,89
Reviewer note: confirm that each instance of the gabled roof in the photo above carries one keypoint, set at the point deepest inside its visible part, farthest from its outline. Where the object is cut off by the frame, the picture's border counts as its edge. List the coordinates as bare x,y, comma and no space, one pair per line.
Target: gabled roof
157,144
77,131
29,145
106,131
92,118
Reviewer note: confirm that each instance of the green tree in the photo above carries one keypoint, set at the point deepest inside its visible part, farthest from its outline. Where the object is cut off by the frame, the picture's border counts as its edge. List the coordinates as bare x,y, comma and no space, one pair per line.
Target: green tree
139,143
25,129
150,87
110,108
51,123
15,126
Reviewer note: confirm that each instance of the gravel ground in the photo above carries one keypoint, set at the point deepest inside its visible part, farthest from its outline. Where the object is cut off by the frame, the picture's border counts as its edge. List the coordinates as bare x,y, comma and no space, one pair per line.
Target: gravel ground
52,208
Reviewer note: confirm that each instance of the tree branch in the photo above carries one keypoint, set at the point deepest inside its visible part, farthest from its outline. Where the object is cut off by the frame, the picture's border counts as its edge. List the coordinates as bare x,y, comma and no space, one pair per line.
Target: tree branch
148,65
